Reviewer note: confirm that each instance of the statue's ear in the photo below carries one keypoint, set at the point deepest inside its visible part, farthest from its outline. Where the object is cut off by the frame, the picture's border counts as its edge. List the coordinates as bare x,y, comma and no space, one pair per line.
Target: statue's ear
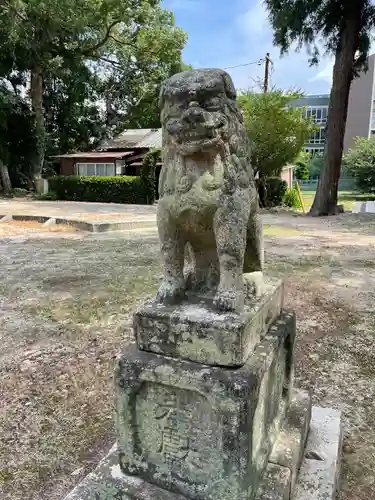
229,86
162,96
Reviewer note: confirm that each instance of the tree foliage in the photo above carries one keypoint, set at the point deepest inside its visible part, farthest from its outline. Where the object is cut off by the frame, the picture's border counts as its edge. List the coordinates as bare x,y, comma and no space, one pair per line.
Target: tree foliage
315,165
301,170
90,67
343,29
17,137
359,162
276,130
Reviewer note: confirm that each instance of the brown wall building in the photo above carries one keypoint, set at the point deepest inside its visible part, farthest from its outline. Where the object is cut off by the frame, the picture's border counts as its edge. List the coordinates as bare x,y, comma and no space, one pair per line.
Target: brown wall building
361,112
361,119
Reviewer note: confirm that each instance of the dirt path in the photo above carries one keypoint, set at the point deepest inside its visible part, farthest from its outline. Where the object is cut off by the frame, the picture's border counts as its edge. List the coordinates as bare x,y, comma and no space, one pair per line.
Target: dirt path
66,308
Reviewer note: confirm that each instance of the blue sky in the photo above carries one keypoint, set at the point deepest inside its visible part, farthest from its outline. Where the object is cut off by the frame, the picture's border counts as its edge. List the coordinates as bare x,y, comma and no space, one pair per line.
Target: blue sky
224,33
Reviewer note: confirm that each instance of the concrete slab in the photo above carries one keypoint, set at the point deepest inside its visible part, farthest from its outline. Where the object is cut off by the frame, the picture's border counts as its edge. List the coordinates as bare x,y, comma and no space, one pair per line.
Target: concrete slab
50,222
318,478
364,207
36,218
83,225
319,475
6,218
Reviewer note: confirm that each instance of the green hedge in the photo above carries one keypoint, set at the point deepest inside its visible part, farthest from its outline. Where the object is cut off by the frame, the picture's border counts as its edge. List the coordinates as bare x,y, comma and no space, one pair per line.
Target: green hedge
118,189
272,191
148,174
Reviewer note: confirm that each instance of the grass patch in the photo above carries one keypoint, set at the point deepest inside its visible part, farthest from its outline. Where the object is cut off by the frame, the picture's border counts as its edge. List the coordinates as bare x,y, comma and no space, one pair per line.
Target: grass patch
66,312
346,198
64,327
281,231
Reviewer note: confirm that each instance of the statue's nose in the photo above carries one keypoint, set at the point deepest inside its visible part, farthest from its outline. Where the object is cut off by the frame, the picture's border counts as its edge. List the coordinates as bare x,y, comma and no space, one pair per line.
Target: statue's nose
194,114
193,104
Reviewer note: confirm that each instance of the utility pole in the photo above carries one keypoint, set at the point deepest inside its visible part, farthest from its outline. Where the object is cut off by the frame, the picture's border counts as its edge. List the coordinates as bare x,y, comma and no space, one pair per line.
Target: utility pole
266,73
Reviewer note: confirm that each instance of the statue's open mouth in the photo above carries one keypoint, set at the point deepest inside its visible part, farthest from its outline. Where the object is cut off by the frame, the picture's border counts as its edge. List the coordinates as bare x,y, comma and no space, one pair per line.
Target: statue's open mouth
201,133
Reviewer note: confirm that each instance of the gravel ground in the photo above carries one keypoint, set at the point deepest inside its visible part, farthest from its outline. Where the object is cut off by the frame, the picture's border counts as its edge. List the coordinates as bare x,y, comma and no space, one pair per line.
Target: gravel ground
66,309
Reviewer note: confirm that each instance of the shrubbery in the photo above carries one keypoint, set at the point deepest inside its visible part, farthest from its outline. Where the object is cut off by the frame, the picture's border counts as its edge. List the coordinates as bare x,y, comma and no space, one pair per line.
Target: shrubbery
359,162
271,191
118,189
148,175
291,198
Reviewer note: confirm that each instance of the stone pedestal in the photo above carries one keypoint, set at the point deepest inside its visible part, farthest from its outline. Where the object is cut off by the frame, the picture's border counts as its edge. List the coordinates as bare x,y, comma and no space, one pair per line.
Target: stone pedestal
209,432
195,331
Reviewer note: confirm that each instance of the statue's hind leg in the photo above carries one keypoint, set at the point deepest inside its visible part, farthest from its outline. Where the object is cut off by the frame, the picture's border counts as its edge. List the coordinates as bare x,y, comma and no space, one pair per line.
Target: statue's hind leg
230,227
254,253
254,256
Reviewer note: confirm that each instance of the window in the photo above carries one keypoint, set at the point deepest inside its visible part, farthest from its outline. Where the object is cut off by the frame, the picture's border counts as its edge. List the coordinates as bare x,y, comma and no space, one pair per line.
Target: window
318,137
100,169
373,119
319,114
315,151
91,169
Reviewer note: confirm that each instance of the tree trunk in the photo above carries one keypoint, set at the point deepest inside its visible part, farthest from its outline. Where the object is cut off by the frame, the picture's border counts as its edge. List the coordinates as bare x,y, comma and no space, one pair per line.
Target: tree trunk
325,201
5,179
36,92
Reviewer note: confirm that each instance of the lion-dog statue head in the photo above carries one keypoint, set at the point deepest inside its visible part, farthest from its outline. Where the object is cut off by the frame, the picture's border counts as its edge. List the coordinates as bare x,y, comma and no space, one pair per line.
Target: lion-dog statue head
202,121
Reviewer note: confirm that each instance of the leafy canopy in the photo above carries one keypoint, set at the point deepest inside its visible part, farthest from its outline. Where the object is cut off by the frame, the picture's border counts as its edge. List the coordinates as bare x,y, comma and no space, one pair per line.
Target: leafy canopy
307,22
360,163
100,64
276,130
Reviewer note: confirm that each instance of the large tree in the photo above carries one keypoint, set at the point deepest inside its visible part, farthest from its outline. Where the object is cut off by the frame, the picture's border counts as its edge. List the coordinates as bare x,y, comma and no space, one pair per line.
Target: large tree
41,37
131,87
74,120
344,27
16,138
276,129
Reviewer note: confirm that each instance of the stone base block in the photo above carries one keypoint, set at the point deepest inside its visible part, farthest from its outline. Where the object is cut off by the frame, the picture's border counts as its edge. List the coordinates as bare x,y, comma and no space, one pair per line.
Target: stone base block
276,484
320,470
290,445
318,479
198,332
201,431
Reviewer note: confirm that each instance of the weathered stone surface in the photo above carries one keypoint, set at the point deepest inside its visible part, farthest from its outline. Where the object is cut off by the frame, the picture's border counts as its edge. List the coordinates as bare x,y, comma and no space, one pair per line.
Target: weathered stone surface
320,470
276,483
208,199
290,445
198,332
318,479
202,431
108,482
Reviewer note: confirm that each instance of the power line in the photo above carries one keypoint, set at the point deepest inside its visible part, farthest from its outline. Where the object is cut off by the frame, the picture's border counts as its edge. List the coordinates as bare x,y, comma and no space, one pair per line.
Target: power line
259,62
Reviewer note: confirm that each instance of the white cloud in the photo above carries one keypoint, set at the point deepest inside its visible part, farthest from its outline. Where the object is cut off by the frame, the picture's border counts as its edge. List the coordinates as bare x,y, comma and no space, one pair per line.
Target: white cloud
254,21
325,73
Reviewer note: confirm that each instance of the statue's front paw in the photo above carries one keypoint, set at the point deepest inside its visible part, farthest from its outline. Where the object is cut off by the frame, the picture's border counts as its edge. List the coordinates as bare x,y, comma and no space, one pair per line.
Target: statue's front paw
170,292
229,300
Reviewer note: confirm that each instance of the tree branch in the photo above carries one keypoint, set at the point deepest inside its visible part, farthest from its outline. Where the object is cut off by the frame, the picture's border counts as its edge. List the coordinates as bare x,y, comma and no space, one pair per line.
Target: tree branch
90,51
110,61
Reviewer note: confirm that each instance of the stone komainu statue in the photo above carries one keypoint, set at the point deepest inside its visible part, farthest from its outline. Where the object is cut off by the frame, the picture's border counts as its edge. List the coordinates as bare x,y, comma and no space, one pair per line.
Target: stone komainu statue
208,200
